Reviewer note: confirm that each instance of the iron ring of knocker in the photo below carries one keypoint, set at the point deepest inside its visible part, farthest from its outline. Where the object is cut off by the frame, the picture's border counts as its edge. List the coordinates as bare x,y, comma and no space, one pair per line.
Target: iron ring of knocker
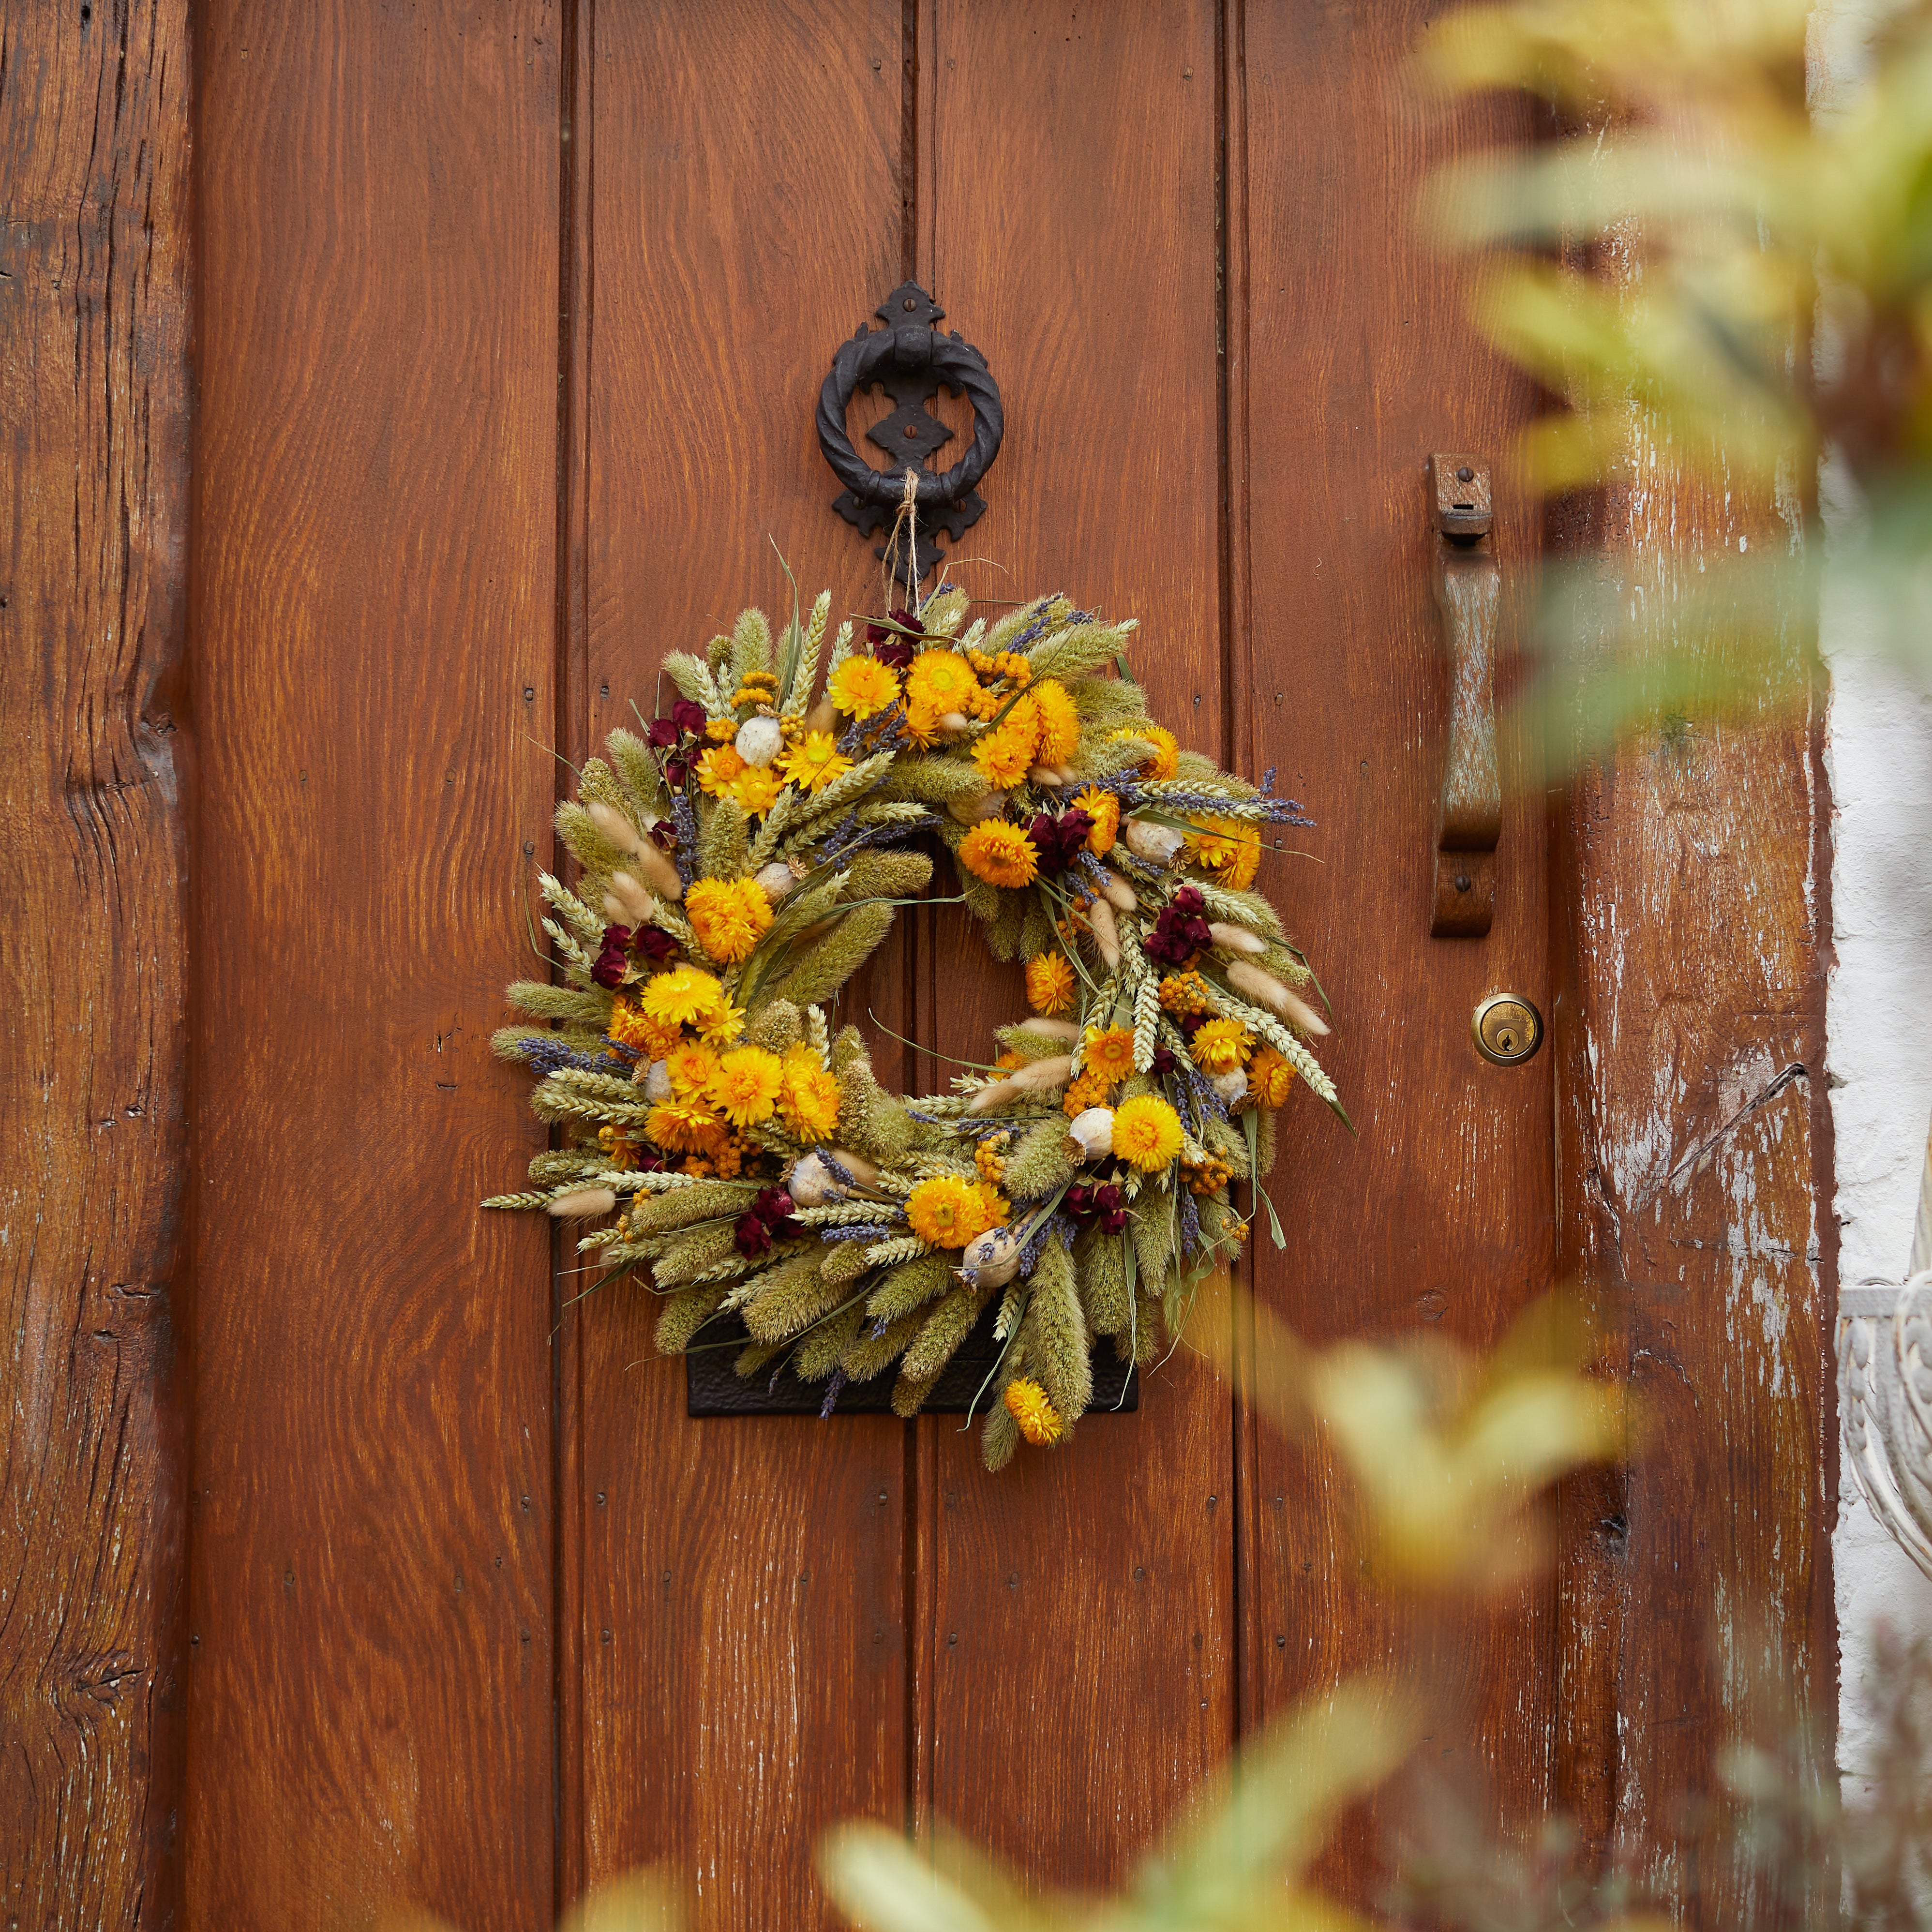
911,360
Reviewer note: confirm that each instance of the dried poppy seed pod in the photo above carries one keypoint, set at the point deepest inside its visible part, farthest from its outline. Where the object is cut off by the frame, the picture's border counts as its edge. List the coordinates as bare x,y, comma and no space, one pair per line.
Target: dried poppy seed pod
614,826
584,1204
1106,933
1152,844
759,740
657,1082
1090,1134
1265,990
1117,892
775,879
1042,1076
1231,1086
991,1259
635,906
970,810
811,1183
1235,938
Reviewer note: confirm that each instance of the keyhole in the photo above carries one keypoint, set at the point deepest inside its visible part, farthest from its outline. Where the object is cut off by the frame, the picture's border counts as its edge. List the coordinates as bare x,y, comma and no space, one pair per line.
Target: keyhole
1506,1041
912,429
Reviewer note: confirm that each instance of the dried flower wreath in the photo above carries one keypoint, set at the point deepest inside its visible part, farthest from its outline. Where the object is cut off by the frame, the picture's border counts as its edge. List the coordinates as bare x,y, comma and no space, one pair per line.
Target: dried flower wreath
739,865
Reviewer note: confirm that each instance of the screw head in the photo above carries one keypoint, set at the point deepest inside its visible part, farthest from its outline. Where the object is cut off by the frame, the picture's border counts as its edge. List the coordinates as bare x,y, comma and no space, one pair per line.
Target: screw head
1466,474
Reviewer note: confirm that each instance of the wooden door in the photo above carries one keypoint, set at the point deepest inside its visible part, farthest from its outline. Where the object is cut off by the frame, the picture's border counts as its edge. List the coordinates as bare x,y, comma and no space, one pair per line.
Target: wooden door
511,323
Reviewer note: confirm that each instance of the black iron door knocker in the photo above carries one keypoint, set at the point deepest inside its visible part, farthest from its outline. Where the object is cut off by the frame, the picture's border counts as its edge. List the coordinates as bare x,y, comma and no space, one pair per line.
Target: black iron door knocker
910,360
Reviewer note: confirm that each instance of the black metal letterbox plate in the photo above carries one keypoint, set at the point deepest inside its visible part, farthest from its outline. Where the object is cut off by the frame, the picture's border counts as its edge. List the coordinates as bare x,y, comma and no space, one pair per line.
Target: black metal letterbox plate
711,1388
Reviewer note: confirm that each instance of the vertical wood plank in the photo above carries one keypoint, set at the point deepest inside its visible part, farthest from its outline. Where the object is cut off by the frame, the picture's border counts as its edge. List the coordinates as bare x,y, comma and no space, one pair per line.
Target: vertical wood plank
1355,361
1075,1629
741,1618
1694,1151
375,493
95,248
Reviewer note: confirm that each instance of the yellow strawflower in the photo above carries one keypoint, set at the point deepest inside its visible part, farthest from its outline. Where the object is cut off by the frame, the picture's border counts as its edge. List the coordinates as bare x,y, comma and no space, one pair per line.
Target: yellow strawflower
809,1100
757,789
1003,757
729,915
939,682
652,1038
1059,734
719,769
680,1126
1228,848
1147,1131
814,761
691,1065
721,1025
1001,854
682,994
745,1089
1104,809
1220,1046
1270,1077
1049,983
862,686
1110,1054
1166,759
1039,1421
949,1212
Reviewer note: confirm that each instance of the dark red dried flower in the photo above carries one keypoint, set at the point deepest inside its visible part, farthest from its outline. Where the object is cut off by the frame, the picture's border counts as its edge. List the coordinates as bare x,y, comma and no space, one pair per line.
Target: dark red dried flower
611,959
1164,1061
689,716
1060,841
889,646
663,733
769,1218
1181,931
654,944
676,772
1086,1203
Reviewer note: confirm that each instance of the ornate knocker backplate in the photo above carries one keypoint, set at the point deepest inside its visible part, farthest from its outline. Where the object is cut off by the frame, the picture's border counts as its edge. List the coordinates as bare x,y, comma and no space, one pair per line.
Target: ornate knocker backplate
910,360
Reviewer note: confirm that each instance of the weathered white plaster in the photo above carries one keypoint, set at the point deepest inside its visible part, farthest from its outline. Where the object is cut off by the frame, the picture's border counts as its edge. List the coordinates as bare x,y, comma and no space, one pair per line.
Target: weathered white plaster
1878,1054
1879,1010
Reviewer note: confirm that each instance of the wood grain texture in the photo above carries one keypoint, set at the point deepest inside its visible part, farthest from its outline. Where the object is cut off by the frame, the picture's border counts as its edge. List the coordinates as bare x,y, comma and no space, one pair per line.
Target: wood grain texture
741,1614
1074,1631
1691,1116
94,290
1350,362
375,492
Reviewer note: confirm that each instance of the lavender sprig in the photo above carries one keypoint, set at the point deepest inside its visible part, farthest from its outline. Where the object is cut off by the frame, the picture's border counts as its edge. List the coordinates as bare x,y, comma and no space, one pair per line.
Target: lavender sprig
832,1392
684,816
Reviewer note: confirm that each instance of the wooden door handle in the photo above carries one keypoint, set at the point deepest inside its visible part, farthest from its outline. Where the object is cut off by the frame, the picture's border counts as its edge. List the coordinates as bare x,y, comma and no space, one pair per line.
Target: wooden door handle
1468,594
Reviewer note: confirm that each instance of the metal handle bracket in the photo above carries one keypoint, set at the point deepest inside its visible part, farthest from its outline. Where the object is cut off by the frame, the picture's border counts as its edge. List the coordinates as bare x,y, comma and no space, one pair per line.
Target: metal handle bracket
1468,595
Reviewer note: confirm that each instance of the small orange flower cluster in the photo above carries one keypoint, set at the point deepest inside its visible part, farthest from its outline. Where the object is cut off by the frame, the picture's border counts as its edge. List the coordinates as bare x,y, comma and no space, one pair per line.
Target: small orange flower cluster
989,1156
1208,1175
1182,994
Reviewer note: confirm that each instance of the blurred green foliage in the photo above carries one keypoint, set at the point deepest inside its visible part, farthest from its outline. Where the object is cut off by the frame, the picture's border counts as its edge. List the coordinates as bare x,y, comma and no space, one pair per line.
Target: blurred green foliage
1723,268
